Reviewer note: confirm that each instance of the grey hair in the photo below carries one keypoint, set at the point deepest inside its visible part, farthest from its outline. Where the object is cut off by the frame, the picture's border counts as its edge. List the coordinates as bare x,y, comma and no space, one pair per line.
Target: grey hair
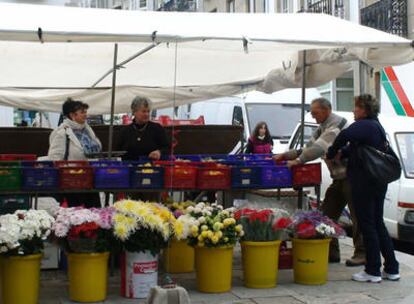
139,102
323,103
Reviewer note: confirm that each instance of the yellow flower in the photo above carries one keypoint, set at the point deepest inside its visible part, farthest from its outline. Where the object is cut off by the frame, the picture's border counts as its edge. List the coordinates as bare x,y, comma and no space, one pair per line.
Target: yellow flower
219,234
227,222
179,229
204,228
194,229
200,238
210,234
217,226
204,234
226,239
215,239
239,228
121,231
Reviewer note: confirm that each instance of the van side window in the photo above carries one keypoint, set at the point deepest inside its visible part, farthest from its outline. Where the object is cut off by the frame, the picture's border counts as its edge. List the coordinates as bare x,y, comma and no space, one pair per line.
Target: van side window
295,144
237,117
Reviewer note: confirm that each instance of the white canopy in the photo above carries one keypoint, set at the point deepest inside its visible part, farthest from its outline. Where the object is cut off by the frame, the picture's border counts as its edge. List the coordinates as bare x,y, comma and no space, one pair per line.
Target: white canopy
199,55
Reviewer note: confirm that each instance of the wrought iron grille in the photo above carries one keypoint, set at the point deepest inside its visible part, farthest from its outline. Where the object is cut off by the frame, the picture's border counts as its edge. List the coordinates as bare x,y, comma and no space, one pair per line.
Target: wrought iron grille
387,15
335,8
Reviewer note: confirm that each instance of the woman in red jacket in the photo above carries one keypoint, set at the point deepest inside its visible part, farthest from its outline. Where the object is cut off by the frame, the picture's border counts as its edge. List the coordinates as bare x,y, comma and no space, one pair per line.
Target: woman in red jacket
260,142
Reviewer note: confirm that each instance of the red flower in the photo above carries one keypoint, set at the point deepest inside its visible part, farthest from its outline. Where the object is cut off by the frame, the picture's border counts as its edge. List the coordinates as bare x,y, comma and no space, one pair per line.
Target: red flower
305,230
282,223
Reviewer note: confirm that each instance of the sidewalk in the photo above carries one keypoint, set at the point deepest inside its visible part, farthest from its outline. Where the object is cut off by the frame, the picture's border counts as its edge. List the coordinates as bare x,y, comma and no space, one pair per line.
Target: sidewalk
339,289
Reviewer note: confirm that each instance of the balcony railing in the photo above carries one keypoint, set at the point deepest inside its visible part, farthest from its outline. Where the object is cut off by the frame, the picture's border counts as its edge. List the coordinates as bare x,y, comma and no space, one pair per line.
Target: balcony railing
179,5
335,8
387,15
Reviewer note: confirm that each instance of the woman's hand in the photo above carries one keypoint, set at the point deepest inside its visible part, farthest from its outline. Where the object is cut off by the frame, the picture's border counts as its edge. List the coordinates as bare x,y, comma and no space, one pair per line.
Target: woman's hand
155,155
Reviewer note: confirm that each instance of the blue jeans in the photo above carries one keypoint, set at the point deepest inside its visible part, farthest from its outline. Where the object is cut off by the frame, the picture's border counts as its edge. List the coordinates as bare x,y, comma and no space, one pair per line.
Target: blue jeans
368,200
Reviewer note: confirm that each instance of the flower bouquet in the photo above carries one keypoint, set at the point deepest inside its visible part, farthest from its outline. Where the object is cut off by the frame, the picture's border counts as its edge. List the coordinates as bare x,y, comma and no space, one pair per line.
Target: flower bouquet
22,236
142,229
213,232
262,225
84,230
264,229
312,233
314,225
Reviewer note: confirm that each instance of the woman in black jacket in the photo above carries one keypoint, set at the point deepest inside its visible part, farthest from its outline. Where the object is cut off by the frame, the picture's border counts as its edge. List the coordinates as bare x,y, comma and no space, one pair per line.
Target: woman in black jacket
143,137
368,195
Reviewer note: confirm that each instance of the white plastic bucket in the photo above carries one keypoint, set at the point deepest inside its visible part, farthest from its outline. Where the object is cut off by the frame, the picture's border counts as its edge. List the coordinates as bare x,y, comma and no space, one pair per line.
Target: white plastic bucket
139,272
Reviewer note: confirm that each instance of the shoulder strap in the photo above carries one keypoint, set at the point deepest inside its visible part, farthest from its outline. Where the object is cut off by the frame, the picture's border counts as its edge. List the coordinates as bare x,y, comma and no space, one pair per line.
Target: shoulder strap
66,156
342,123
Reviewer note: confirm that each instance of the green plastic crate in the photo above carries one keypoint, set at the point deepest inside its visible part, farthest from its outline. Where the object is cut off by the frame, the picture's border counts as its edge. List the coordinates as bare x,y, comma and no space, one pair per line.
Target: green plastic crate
10,178
11,203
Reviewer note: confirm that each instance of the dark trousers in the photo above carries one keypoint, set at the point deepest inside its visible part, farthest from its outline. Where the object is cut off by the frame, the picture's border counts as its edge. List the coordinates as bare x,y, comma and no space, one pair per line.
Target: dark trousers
337,196
368,200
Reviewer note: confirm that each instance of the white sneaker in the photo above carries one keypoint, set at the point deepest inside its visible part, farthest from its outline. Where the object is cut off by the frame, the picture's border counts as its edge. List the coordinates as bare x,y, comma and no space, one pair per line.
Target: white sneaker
365,277
390,277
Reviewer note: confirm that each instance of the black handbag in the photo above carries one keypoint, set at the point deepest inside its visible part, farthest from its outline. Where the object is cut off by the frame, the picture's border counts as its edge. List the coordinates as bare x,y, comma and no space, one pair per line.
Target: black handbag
381,167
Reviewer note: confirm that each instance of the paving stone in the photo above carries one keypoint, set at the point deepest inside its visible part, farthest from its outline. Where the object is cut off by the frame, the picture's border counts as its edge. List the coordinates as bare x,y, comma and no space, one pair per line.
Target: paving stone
278,300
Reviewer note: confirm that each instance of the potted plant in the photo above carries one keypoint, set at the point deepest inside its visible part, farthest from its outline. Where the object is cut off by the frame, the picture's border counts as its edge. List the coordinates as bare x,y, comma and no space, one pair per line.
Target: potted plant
142,230
263,231
311,232
178,257
86,237
22,235
213,232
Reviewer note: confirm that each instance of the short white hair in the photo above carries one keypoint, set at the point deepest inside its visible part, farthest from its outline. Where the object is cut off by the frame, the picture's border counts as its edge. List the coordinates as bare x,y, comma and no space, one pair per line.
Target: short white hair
138,102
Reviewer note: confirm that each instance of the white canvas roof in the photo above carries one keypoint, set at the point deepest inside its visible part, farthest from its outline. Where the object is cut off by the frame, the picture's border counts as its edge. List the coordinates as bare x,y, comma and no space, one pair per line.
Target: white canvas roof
200,55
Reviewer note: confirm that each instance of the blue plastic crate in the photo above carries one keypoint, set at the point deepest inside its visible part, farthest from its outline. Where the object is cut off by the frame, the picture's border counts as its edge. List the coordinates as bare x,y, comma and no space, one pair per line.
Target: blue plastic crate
246,177
147,177
37,164
105,163
276,176
40,178
111,177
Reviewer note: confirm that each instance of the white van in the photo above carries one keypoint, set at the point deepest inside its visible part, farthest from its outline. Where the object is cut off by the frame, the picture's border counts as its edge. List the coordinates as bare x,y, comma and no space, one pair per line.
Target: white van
280,110
399,200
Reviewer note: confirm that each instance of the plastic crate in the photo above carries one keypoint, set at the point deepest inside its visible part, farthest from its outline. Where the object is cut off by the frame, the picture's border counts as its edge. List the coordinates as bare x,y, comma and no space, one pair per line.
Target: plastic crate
10,178
40,178
8,157
187,157
246,177
276,176
111,177
105,163
37,164
76,177
179,176
213,177
10,164
71,163
147,177
9,204
213,157
307,174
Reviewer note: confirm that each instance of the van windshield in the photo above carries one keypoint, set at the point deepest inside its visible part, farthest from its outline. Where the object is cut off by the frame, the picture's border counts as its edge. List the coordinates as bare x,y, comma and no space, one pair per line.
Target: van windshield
281,118
405,143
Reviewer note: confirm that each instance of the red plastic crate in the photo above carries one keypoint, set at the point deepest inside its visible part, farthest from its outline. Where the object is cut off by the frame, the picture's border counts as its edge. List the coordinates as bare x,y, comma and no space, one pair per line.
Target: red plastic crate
18,157
307,174
76,177
180,177
71,163
213,177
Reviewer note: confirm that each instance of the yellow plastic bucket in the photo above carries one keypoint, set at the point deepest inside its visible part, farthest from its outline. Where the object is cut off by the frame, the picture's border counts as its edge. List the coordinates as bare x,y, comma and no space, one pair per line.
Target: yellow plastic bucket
88,276
20,279
310,261
178,257
214,269
260,263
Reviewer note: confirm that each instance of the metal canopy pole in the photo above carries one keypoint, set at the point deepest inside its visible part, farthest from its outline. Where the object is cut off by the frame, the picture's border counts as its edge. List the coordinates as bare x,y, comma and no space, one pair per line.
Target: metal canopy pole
143,51
302,121
111,125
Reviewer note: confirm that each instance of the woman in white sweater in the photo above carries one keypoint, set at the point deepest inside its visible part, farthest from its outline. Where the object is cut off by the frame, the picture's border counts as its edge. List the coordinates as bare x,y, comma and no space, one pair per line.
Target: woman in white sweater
74,138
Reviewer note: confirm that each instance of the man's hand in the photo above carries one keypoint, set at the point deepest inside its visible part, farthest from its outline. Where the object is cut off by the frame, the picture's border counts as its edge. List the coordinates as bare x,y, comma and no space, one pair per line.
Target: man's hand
338,156
155,155
294,162
278,157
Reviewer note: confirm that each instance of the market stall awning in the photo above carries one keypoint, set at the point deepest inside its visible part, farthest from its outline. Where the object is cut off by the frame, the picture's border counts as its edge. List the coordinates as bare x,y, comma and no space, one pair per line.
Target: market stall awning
48,53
